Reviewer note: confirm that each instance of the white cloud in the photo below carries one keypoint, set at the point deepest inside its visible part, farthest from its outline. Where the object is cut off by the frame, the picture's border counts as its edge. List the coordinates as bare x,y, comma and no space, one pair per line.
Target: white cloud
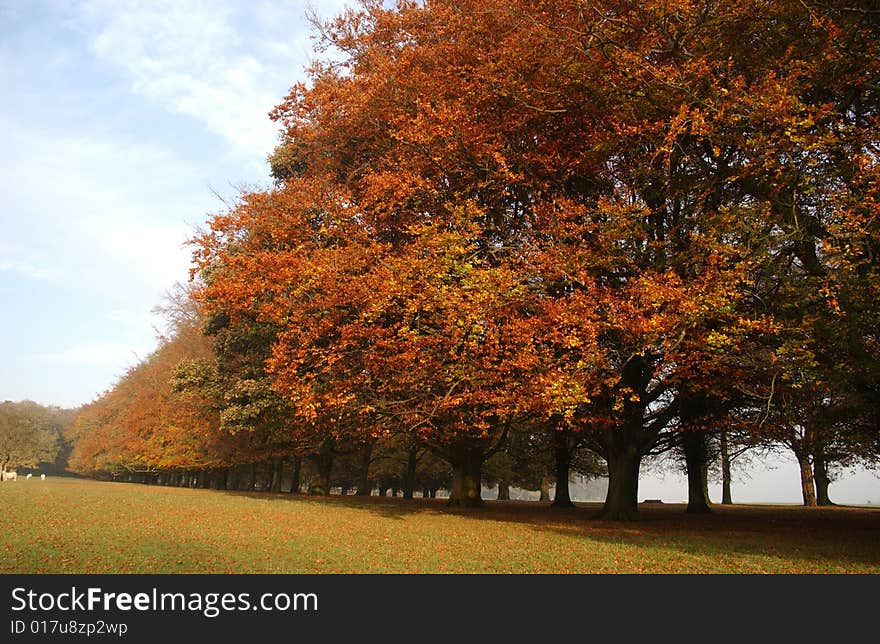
226,64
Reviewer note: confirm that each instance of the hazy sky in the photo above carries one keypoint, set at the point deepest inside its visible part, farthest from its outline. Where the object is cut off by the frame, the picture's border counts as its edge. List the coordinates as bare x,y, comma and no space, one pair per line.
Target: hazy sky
121,123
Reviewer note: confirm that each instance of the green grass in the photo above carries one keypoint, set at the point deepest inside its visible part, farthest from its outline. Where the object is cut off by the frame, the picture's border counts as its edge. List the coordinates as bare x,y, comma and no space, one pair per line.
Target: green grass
80,526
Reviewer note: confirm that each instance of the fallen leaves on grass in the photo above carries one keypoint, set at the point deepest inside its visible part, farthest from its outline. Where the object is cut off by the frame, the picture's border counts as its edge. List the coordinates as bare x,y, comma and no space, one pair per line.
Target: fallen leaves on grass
80,526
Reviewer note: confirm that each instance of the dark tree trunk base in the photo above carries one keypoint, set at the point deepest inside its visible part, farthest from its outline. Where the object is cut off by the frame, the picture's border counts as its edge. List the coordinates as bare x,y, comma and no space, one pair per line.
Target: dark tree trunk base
364,487
619,514
562,457
295,475
320,485
621,503
821,478
466,486
465,503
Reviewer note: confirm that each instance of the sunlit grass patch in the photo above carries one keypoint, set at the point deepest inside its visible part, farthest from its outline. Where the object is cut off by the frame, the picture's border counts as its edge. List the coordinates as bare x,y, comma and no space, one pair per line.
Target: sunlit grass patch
81,526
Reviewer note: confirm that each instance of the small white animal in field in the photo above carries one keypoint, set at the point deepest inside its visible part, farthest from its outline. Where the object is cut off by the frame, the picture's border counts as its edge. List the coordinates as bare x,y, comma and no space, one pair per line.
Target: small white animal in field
42,477
29,475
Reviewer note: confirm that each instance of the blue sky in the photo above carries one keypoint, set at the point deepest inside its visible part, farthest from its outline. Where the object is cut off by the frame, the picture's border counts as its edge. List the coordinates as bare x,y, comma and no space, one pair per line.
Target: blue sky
123,124
120,122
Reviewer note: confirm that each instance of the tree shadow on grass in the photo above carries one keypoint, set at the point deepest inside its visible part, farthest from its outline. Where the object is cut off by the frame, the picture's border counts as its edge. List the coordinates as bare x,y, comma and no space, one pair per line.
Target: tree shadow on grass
799,538
384,506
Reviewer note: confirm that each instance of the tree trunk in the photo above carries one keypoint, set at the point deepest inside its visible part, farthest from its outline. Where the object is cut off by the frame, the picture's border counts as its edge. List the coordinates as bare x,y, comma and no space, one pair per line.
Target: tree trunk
625,443
409,476
504,490
231,479
319,485
466,475
693,409
295,475
808,488
695,455
277,472
820,477
363,485
252,477
544,490
726,499
383,490
562,458
621,502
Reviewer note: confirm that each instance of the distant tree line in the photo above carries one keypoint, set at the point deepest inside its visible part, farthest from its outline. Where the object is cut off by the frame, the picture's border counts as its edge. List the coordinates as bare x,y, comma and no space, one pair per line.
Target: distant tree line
32,437
512,240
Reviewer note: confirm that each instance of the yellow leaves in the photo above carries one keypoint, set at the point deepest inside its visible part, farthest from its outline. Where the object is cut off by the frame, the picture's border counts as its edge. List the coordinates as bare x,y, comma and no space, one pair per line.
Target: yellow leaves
571,341
718,341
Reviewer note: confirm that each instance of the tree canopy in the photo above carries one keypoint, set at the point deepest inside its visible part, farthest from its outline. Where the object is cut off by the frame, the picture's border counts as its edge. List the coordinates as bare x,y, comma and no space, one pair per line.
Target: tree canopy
31,434
623,223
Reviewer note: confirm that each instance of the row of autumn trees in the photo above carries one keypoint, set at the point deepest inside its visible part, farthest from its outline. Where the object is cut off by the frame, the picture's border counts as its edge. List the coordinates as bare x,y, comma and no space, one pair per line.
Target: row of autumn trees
605,228
201,411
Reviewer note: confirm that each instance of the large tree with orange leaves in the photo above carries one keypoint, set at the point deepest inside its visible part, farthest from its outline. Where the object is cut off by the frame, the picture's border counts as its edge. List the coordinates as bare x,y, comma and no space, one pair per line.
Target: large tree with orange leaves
569,212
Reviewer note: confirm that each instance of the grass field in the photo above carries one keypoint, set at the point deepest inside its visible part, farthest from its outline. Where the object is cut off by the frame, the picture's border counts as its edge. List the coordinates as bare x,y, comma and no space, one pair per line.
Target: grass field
80,526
